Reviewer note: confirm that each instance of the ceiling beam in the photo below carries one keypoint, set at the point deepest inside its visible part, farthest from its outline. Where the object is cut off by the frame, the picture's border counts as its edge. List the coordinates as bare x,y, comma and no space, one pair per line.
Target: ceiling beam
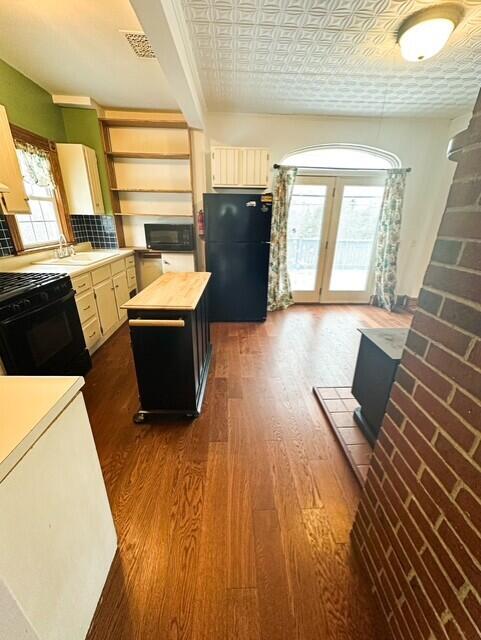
164,23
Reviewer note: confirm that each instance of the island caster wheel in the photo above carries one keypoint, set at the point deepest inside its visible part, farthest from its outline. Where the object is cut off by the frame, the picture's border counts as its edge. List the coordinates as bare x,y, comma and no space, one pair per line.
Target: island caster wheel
139,418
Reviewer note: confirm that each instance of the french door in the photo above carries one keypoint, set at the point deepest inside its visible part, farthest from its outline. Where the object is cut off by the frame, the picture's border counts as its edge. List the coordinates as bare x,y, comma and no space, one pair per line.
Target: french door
332,230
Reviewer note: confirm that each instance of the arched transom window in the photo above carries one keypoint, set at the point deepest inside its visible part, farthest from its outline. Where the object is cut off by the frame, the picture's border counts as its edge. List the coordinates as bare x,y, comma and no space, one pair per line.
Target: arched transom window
343,157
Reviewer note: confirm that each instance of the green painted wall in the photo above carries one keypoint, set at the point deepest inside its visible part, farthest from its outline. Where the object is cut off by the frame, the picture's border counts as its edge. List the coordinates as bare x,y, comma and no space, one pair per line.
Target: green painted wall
31,107
82,125
28,105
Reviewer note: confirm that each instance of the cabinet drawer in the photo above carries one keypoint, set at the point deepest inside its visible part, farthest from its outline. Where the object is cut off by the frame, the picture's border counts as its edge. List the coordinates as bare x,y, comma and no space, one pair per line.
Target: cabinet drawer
131,279
130,261
117,266
86,306
102,273
82,283
91,332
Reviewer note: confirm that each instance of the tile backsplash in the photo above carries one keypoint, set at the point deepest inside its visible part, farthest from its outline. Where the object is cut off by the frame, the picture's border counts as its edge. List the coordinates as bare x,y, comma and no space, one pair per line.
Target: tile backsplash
99,230
6,242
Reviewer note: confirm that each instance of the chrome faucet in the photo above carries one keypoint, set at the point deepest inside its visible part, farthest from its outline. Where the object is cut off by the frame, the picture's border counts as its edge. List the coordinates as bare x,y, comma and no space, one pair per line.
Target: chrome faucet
62,251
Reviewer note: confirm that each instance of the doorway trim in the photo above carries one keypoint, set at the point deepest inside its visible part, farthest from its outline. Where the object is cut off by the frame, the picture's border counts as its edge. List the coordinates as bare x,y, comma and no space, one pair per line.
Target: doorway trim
346,297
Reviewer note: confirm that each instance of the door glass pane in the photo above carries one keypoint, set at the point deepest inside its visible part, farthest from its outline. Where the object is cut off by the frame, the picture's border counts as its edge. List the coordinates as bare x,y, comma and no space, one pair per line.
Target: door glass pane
304,235
356,236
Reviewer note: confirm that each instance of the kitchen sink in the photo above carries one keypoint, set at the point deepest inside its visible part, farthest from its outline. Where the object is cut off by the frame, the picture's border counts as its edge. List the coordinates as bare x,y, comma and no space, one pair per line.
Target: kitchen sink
82,258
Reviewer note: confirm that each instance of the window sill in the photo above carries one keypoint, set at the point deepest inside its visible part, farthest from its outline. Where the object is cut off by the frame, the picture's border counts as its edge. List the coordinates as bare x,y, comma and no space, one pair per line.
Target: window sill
43,247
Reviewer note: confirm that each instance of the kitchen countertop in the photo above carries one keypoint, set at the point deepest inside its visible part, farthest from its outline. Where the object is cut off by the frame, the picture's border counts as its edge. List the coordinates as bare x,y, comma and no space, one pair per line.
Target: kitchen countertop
75,270
171,292
29,406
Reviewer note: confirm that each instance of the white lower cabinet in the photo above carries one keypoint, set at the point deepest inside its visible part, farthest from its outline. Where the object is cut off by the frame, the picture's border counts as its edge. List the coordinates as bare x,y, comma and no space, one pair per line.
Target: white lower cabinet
86,306
100,294
92,332
177,262
121,290
106,305
131,279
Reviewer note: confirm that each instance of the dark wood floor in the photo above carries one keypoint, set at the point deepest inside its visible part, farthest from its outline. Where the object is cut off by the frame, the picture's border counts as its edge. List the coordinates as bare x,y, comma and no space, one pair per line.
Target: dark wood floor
236,526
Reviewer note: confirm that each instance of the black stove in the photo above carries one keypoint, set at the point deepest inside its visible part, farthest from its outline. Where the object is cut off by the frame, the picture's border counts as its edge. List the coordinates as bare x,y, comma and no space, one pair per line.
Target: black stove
14,284
40,330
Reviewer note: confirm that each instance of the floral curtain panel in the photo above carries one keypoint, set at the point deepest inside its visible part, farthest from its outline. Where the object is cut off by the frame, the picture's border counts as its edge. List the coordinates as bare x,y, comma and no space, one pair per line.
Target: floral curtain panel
388,239
34,165
279,292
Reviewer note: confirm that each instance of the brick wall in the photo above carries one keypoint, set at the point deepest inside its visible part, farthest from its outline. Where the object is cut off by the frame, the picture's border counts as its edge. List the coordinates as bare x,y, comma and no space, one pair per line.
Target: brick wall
418,528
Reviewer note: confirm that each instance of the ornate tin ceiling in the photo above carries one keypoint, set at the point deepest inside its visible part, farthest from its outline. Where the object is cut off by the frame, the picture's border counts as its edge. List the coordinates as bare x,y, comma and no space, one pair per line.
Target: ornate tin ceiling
329,57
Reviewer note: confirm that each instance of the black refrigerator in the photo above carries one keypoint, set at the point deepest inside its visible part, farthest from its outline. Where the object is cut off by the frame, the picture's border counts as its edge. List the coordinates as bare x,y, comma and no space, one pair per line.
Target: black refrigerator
238,232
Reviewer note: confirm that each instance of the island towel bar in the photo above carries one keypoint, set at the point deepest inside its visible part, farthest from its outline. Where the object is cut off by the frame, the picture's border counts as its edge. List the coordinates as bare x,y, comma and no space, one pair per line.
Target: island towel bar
157,323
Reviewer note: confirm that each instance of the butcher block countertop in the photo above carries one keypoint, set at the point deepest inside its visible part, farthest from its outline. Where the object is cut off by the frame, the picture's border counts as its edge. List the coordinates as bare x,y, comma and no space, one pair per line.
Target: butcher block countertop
171,292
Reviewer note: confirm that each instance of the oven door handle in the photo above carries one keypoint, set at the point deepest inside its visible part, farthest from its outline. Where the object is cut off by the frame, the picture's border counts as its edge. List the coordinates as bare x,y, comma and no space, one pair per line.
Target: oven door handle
28,312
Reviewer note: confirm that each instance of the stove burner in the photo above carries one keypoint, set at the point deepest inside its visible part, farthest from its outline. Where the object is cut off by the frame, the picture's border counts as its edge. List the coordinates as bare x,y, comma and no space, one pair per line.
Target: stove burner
14,284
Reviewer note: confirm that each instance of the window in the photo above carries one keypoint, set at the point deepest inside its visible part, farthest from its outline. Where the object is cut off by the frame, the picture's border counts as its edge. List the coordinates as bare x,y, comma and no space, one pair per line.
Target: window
42,226
333,220
40,169
343,157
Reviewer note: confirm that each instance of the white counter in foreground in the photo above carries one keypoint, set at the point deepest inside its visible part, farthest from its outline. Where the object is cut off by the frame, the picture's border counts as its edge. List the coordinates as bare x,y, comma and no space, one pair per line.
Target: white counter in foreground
57,537
28,406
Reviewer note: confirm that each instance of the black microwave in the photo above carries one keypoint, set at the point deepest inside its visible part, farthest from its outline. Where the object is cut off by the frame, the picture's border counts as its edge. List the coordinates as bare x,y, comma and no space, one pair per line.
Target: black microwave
175,234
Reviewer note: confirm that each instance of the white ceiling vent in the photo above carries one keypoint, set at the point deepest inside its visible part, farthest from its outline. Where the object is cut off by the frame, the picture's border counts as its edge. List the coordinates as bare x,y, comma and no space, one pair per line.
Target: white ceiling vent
139,43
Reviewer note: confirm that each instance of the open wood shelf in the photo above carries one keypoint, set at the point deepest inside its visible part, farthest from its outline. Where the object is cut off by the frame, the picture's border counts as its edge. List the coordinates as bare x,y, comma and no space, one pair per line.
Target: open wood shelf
136,190
151,124
167,140
149,155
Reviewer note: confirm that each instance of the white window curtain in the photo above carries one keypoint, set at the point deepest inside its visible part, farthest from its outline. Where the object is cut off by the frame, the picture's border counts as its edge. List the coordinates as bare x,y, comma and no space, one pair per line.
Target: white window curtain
35,165
388,239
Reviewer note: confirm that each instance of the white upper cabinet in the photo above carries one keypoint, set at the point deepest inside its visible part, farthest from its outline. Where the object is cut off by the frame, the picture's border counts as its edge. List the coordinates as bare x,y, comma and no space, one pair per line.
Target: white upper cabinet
241,167
255,167
226,166
15,200
80,173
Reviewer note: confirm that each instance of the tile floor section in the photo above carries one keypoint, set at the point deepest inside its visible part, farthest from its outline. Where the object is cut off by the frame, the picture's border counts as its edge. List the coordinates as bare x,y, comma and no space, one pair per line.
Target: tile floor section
338,404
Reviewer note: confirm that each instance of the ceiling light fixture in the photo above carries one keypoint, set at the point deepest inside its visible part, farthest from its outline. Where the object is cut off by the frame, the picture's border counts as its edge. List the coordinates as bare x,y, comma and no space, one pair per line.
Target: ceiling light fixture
424,33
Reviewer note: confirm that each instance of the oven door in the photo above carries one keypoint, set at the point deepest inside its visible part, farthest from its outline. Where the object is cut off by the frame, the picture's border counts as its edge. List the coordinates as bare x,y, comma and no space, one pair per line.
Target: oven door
169,237
43,341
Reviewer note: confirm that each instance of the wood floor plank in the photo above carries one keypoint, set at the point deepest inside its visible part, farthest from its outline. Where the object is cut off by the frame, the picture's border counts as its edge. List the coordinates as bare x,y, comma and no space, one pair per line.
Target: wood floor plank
243,622
315,445
257,432
265,413
304,594
240,533
306,488
178,601
333,499
211,612
276,616
329,573
217,412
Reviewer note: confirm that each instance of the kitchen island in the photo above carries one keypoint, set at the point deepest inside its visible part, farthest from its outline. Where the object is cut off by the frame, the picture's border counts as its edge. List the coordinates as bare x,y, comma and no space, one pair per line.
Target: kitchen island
57,536
170,337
